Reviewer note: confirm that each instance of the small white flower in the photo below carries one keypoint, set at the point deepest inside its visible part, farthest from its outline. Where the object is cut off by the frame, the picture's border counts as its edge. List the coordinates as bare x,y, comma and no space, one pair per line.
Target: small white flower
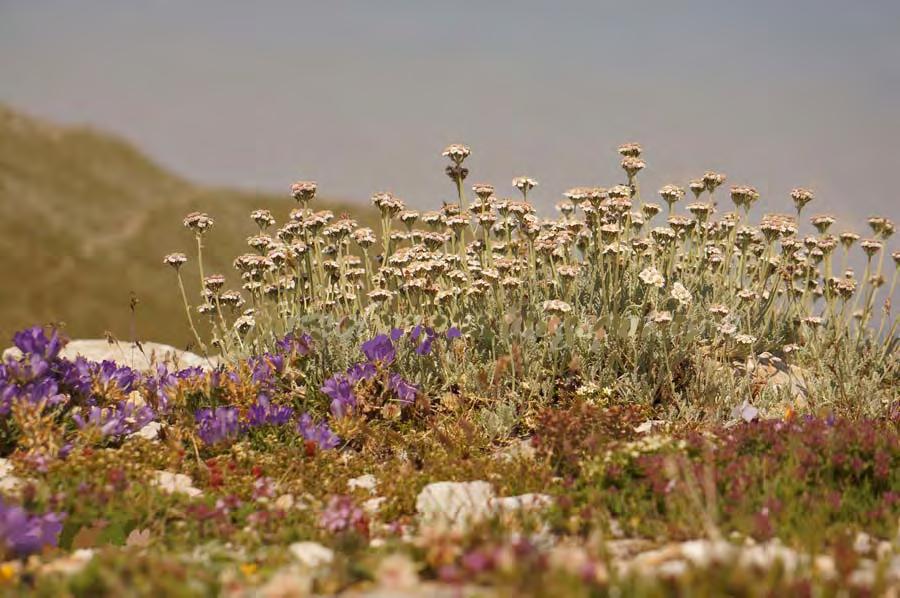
652,277
680,293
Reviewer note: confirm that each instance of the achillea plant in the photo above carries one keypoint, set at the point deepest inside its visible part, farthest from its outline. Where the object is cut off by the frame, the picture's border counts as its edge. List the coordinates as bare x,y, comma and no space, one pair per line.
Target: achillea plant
605,290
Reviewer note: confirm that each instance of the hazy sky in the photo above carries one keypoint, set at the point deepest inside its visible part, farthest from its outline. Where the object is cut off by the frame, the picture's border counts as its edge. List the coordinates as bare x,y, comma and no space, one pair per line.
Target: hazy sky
362,96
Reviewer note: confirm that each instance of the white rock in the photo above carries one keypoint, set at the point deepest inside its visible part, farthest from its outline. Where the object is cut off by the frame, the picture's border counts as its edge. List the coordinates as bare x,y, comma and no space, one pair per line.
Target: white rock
364,482
150,431
454,504
764,556
373,505
8,482
703,552
523,502
290,581
143,357
284,502
675,568
175,483
397,573
71,564
312,554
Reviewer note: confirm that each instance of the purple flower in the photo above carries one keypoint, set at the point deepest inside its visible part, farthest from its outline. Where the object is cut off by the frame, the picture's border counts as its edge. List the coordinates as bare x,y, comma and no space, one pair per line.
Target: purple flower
33,342
379,349
425,347
191,374
34,391
453,333
321,434
264,413
396,334
361,371
217,425
115,422
405,391
293,343
75,376
23,533
160,385
110,374
416,332
340,391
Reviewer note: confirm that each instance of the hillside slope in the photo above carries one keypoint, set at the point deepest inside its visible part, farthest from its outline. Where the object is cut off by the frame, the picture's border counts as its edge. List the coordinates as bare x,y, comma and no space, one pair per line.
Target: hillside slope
85,219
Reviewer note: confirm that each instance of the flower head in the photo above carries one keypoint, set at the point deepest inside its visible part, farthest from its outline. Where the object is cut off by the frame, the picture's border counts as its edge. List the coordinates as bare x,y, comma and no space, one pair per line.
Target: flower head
379,350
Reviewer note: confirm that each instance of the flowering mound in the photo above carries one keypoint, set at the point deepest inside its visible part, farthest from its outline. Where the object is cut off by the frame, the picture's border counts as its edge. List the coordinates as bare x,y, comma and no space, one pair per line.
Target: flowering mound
480,399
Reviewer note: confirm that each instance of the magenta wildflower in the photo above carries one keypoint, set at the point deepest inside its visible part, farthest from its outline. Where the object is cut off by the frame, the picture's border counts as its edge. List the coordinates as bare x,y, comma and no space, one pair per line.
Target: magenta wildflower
343,515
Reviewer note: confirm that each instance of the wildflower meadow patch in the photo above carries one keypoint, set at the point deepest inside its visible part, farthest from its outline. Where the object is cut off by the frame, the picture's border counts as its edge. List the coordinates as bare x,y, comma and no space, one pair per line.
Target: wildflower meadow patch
641,397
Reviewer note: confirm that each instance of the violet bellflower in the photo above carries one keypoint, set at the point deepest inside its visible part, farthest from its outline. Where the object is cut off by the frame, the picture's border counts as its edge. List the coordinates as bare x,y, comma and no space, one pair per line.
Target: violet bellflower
320,433
293,343
404,391
339,389
217,425
22,534
34,342
379,349
263,413
115,422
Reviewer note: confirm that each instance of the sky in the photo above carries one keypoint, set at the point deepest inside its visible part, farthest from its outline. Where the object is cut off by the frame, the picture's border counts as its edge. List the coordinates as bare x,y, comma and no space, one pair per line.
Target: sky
363,96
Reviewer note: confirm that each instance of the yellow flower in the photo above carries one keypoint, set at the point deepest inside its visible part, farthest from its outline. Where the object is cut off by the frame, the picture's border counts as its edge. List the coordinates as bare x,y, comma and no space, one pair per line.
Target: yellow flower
248,569
8,571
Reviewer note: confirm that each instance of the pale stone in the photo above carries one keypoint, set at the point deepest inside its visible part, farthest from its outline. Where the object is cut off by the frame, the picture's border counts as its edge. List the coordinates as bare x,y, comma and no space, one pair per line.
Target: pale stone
284,502
373,505
312,554
397,572
364,482
523,502
71,564
287,583
173,483
149,431
454,504
8,482
144,357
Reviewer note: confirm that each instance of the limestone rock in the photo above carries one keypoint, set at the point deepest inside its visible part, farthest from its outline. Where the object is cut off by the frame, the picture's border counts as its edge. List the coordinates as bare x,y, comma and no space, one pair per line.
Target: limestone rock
143,357
459,504
454,504
768,371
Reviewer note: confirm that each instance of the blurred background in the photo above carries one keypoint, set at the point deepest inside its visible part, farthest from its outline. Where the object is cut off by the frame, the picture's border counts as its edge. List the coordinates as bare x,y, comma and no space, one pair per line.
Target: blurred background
117,118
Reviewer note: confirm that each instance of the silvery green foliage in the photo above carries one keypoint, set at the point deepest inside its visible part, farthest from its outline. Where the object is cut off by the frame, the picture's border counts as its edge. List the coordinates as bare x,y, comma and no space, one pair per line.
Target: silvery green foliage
669,308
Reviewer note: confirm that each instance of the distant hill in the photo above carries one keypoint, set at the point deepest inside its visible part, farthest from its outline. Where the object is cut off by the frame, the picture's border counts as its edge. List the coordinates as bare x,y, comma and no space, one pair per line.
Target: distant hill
85,220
